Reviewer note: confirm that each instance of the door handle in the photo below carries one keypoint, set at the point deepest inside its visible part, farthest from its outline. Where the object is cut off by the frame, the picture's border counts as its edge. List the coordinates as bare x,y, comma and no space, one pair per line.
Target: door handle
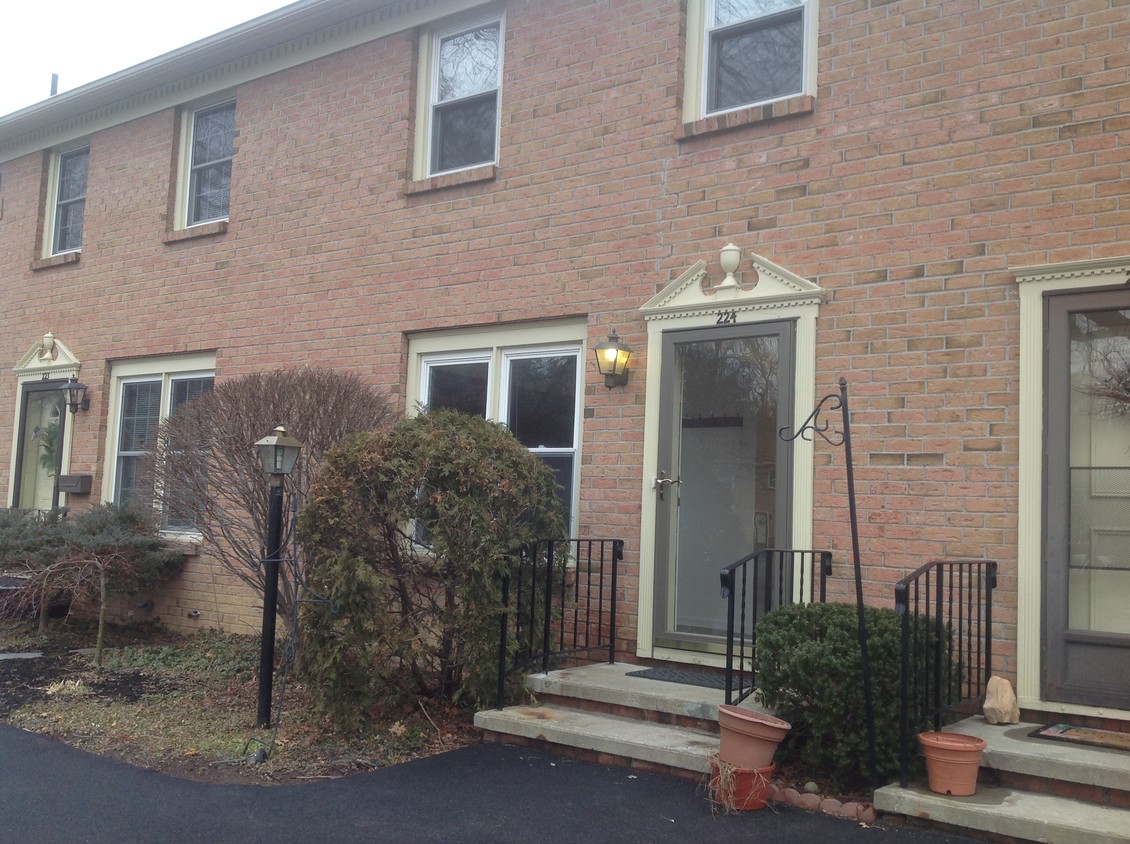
661,483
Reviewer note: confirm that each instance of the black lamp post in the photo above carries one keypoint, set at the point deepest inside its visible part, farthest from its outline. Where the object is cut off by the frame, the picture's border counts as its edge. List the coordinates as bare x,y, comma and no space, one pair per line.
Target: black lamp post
278,454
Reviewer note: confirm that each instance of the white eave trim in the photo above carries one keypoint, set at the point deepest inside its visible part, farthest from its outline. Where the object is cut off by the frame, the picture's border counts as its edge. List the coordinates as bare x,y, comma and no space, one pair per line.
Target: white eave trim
293,35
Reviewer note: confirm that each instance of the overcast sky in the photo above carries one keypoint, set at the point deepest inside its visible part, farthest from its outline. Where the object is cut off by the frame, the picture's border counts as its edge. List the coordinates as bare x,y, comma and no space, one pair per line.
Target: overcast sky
85,40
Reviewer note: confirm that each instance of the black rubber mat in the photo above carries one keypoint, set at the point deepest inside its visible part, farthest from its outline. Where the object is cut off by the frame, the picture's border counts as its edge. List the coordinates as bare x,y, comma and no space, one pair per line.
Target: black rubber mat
686,676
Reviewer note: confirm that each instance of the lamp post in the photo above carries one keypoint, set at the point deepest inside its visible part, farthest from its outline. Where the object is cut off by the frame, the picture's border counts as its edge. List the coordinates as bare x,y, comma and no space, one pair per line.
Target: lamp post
278,453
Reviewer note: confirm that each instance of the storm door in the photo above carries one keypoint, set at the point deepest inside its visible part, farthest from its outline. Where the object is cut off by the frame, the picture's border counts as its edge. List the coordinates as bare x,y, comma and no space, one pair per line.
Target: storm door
723,478
1086,587
39,447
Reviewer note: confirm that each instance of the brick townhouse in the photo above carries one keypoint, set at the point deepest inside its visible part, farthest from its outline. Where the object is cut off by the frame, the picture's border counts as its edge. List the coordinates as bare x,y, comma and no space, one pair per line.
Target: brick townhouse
454,199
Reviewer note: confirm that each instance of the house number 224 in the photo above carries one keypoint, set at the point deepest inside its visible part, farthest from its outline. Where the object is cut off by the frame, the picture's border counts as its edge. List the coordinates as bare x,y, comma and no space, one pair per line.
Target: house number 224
727,318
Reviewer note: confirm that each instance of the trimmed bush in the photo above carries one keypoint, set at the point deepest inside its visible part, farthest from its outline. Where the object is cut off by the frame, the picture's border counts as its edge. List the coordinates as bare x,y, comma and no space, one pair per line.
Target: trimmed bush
809,672
407,532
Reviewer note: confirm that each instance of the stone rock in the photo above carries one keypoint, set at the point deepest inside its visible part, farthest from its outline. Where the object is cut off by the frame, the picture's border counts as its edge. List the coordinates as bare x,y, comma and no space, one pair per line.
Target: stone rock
811,788
867,814
809,801
831,806
1000,702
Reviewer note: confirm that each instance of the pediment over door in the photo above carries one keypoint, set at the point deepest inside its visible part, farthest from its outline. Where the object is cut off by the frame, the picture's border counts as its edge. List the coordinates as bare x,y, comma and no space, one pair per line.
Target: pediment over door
48,358
762,286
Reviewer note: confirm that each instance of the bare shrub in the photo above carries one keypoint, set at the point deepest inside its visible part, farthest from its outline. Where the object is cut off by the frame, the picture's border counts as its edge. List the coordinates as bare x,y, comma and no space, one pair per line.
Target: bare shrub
206,474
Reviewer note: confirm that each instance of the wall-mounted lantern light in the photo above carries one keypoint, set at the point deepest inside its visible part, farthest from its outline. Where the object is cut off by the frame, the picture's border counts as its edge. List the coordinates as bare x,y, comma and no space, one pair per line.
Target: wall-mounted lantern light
612,360
76,397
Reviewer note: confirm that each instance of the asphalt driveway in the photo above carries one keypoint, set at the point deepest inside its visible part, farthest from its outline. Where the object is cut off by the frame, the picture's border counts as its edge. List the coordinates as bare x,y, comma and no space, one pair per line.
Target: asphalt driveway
50,792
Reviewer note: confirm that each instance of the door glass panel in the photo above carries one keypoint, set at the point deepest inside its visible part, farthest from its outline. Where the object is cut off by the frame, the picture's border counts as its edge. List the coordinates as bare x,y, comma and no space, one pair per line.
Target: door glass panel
1099,508
41,438
726,449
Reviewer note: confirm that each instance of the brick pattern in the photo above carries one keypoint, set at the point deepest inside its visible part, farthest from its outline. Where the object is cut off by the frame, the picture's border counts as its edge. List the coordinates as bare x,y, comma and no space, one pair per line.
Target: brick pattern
947,143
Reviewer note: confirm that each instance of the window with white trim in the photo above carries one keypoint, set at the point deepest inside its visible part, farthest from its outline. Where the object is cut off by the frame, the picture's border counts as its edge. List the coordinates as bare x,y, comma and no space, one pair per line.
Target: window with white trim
68,207
533,389
210,149
464,82
749,52
144,395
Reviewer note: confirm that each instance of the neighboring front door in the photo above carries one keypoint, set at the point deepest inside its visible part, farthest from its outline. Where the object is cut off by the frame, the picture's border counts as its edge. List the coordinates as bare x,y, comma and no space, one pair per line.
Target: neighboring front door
723,479
39,450
1086,588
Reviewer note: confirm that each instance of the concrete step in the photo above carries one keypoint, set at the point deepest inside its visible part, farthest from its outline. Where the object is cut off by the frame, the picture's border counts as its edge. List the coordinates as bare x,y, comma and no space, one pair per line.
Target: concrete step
1011,753
609,688
1030,789
1013,814
660,745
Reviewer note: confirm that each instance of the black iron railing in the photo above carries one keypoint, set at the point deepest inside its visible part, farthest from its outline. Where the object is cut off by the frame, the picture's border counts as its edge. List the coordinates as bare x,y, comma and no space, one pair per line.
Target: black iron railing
947,643
560,601
754,585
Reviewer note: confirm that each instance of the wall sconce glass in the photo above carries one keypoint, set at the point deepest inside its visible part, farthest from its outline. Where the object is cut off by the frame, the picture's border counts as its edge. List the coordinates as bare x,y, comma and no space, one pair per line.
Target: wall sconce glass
76,397
612,360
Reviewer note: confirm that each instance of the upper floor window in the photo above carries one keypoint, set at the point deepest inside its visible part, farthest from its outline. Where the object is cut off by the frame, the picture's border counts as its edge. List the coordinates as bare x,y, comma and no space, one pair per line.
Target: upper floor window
754,52
69,206
465,84
744,53
211,146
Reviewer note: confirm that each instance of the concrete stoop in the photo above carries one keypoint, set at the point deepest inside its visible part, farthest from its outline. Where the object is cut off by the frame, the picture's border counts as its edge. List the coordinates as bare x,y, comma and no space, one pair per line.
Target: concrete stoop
600,713
1029,789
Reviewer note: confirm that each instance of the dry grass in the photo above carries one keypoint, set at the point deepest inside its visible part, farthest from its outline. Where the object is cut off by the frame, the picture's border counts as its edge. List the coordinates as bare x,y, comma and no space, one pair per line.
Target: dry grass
188,707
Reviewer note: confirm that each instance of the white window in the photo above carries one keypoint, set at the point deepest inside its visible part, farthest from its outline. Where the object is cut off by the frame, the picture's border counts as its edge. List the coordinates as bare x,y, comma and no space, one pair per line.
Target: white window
464,75
534,389
751,52
144,393
69,200
210,148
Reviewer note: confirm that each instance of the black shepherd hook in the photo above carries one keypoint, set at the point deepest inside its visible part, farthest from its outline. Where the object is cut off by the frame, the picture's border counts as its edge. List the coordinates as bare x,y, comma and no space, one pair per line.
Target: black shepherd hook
814,424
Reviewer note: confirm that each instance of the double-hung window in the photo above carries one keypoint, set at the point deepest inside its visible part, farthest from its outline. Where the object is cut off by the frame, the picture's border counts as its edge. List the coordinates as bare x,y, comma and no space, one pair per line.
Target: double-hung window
69,206
465,87
755,51
210,149
535,390
142,399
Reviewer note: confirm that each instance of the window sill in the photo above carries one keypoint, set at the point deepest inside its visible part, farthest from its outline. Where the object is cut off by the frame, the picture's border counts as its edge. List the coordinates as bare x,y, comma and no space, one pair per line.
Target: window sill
193,232
486,173
791,107
55,261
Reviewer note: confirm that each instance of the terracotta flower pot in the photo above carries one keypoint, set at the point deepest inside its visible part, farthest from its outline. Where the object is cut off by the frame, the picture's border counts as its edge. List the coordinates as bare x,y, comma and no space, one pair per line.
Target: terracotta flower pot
952,762
739,789
749,738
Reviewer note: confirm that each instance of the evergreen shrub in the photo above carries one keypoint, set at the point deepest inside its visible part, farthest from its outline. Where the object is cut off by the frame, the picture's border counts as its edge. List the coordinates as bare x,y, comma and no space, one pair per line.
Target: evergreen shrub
407,533
809,672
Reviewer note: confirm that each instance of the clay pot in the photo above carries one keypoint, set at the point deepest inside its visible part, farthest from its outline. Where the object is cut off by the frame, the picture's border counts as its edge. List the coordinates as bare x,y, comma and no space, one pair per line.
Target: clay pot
739,789
952,762
749,738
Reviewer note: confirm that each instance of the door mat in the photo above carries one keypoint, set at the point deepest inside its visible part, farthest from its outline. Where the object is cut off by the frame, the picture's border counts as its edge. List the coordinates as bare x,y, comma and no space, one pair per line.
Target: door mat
685,676
1083,735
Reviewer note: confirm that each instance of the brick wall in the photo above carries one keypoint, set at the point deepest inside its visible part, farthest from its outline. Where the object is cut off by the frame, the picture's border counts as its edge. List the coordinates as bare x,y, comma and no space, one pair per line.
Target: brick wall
948,143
